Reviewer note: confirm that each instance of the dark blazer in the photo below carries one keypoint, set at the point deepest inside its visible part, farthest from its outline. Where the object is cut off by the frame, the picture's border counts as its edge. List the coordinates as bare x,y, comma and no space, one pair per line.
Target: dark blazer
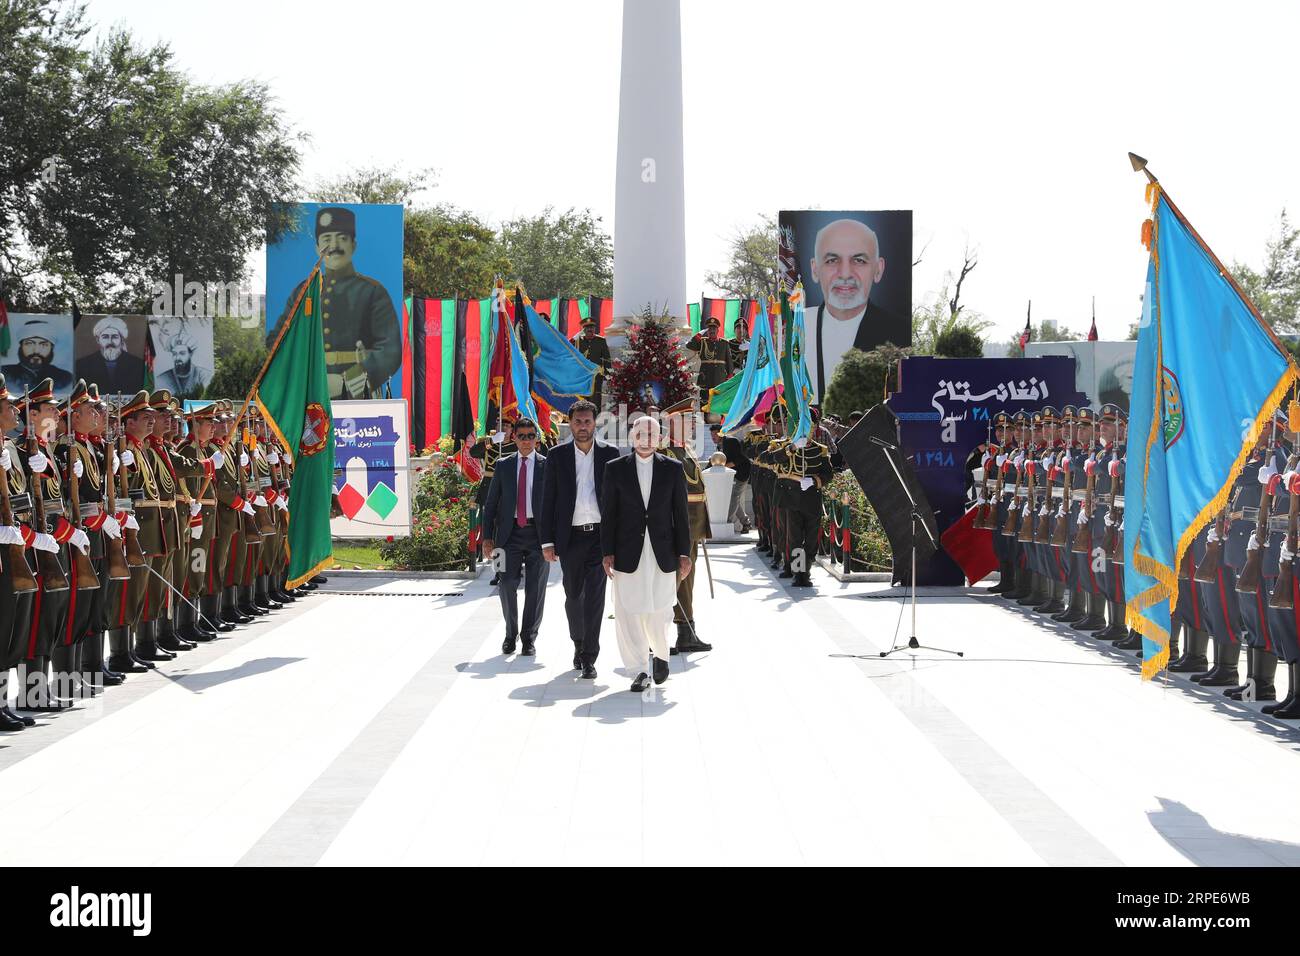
499,509
624,519
127,376
876,327
735,452
560,496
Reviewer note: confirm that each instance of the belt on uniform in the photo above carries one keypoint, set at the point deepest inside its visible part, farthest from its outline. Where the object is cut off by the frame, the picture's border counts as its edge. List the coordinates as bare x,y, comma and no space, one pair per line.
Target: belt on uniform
697,496
713,361
337,358
593,526
151,503
90,510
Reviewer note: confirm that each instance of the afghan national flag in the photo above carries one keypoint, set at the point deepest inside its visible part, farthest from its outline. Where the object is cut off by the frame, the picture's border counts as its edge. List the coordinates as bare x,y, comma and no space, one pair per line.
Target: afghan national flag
713,309
477,333
508,386
294,396
1028,334
5,339
561,374
602,310
693,315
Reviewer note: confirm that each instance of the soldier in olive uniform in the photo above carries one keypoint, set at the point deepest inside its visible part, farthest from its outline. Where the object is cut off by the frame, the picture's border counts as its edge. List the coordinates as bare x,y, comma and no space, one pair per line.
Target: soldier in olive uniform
715,358
18,585
595,349
803,468
230,506
199,526
739,344
113,531
54,536
678,448
263,486
362,338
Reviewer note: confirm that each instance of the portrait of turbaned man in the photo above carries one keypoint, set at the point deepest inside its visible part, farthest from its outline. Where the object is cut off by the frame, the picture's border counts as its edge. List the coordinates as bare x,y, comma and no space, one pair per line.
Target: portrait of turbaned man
856,269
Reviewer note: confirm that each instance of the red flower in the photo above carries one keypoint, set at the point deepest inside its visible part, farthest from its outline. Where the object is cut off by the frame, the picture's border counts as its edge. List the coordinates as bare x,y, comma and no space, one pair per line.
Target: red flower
454,500
389,538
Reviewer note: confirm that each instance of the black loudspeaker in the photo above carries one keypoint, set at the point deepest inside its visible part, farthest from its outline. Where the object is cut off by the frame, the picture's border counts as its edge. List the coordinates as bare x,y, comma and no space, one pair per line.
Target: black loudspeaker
870,463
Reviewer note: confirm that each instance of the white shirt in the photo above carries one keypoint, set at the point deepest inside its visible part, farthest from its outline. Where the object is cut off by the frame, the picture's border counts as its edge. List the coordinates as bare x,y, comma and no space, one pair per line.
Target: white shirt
586,509
645,472
837,338
528,492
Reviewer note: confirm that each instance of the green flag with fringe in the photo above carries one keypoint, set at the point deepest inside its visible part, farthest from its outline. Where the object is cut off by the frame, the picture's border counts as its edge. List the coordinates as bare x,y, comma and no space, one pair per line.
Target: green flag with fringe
294,396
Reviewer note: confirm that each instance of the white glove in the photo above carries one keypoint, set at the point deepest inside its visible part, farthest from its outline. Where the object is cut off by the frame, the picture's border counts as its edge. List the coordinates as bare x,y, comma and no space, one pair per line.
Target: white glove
45,543
195,508
131,523
111,528
1042,512
116,464
243,459
38,463
498,438
1048,461
1019,460
1110,522
273,458
1025,511
1083,517
979,498
1213,535
1253,543
218,459
1267,472
6,462
78,468
1287,478
247,509
1284,555
9,534
260,501
128,458
81,540
805,484
1002,459
281,503
196,532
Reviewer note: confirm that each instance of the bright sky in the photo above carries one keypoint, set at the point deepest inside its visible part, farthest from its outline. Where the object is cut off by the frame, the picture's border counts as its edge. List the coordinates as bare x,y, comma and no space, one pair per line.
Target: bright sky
1002,125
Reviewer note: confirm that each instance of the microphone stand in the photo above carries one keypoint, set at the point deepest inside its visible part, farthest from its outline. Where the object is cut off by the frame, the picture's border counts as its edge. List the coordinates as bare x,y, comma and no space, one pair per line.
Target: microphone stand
912,643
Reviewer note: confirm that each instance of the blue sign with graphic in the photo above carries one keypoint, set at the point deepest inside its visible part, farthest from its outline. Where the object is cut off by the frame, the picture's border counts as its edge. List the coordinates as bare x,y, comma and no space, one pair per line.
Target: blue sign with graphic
945,409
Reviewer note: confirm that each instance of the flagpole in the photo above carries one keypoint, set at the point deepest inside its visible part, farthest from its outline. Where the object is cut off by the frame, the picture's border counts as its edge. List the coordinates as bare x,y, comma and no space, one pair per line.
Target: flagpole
1140,165
243,410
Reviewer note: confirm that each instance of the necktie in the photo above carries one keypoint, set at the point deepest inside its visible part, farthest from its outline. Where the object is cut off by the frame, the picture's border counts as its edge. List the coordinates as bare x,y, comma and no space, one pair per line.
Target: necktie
521,499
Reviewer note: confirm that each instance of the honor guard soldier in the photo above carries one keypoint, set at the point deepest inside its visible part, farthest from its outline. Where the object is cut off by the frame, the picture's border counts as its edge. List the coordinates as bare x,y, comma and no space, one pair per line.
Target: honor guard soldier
278,495
83,469
1075,459
1014,490
754,445
1031,486
595,349
996,465
680,439
54,533
1048,489
1106,528
715,358
739,344
803,468
771,460
362,338
115,572
272,540
19,585
199,527
230,504
247,552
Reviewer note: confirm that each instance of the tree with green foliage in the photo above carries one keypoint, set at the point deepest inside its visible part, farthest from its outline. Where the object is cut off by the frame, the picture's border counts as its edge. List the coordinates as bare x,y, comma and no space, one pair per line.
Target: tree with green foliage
1049,330
959,342
751,269
240,349
862,379
1275,287
945,314
448,252
124,171
559,254
374,184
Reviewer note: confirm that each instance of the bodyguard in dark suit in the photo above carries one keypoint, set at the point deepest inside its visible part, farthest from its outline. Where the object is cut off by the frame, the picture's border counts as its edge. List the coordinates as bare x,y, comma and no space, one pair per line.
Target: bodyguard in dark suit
510,523
570,529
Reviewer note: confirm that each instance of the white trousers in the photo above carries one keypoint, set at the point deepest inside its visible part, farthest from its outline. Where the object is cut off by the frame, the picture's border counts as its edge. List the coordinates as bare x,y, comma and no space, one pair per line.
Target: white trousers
639,634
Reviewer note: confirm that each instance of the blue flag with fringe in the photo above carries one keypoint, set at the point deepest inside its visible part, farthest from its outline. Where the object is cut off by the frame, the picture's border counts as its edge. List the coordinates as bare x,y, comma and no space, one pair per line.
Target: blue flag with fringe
561,374
1209,374
761,373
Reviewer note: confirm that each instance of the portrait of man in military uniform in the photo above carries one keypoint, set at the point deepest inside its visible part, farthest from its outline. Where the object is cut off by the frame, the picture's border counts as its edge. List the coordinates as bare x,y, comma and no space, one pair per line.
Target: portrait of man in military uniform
362,338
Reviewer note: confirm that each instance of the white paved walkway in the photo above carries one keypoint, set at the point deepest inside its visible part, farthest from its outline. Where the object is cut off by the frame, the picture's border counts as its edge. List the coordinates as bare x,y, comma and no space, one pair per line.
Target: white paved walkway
387,728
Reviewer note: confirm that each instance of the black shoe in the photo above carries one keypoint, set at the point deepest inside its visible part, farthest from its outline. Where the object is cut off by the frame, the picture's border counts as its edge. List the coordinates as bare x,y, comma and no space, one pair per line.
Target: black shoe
508,646
577,660
661,670
194,635
283,596
147,664
23,718
787,573
319,579
588,672
231,616
153,652
1090,624
172,642
691,646
1131,642
1285,711
109,679
127,665
641,683
1225,678
252,610
11,722
802,580
496,580
672,651
528,649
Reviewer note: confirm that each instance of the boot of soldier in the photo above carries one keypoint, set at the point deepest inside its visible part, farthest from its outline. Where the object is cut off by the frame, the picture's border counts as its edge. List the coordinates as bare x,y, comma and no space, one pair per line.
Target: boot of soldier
8,719
1193,659
278,592
34,673
1117,630
187,625
1173,642
65,682
209,618
1293,682
1056,599
1132,641
1074,612
1004,578
230,612
1261,667
1227,655
262,594
165,636
244,598
1024,581
93,667
1033,593
1092,610
146,644
120,658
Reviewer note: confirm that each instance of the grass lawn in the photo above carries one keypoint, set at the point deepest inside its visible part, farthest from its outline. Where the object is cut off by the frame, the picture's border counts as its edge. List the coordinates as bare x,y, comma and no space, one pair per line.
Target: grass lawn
352,554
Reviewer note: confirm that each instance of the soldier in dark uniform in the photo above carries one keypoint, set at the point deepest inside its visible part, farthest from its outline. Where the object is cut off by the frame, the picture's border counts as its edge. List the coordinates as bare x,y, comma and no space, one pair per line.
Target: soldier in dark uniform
715,358
678,448
1051,487
995,464
362,338
771,459
1098,465
803,468
1015,494
1074,458
739,344
112,531
754,445
1032,478
594,347
18,587
200,526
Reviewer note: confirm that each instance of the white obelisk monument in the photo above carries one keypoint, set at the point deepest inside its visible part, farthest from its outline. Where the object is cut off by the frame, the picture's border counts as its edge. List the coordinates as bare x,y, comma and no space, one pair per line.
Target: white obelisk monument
649,194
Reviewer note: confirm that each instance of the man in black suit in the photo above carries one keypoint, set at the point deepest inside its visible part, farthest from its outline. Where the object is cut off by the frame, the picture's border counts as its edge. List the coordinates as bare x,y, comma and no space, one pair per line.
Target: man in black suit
645,536
514,500
570,529
741,508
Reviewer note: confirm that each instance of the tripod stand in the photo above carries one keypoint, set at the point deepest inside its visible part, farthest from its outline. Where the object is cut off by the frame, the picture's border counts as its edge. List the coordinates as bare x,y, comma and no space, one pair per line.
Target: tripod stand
912,643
